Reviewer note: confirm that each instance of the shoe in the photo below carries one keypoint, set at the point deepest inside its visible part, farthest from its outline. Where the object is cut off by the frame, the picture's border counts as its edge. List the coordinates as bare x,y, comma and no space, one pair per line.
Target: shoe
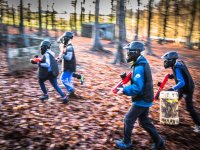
159,146
73,95
121,145
82,79
44,97
65,100
197,129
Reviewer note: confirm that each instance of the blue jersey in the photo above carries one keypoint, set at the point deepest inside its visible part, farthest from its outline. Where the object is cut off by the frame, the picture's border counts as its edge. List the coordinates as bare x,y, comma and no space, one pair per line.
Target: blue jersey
138,82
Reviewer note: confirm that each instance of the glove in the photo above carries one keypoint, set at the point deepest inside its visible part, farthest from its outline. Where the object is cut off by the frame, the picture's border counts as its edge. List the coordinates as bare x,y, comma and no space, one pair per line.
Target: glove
120,90
171,76
159,84
32,61
123,75
58,59
171,89
35,56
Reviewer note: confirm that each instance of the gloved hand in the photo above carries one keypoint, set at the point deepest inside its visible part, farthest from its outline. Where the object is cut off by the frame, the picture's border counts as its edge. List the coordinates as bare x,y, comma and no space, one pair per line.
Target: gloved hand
35,56
123,75
170,89
32,61
120,90
171,76
159,83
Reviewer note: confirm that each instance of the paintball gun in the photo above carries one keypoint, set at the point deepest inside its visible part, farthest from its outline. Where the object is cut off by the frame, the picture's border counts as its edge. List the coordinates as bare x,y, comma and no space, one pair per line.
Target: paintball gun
125,79
161,86
36,59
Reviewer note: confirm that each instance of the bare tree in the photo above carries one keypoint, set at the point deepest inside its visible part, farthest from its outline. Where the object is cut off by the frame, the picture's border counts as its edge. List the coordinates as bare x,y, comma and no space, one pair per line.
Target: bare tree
149,51
193,14
176,15
24,41
119,57
40,17
166,14
96,44
74,4
47,21
138,18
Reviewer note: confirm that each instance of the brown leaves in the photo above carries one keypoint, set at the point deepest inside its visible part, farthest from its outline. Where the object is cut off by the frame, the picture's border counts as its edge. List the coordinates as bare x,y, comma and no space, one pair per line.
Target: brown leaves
92,122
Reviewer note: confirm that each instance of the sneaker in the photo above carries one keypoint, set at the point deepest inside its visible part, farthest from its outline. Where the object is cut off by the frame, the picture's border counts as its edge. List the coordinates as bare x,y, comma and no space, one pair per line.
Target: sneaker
73,95
121,145
65,100
44,97
197,129
82,79
159,146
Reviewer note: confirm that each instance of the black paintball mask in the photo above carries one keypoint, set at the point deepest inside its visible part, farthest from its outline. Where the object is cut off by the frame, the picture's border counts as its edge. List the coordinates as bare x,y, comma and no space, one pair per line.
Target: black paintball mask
66,40
43,49
169,63
44,46
132,55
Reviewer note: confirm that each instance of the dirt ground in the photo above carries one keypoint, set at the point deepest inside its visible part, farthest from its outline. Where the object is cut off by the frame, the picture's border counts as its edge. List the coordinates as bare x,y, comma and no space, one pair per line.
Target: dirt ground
96,120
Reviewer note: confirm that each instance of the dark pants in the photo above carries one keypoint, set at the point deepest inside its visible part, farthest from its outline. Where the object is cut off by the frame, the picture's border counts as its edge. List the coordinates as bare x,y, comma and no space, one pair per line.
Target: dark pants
142,114
191,110
54,83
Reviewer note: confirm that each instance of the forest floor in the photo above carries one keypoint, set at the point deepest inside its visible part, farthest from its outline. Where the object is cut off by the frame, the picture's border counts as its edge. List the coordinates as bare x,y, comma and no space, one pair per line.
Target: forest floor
96,120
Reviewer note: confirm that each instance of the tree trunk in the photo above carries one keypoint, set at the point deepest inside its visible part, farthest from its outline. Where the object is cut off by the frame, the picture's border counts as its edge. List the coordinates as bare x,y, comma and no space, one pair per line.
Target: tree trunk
119,57
138,18
24,41
75,20
149,51
176,15
40,17
160,20
96,43
193,13
165,18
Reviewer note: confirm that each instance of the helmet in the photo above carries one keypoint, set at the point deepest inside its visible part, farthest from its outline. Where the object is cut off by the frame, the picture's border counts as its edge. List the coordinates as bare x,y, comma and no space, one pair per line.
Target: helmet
68,35
134,50
170,55
170,59
65,38
44,46
134,46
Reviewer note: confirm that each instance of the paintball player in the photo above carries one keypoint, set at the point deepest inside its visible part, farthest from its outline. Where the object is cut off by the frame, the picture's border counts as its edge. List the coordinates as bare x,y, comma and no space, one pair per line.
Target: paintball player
184,84
68,63
61,40
48,70
141,92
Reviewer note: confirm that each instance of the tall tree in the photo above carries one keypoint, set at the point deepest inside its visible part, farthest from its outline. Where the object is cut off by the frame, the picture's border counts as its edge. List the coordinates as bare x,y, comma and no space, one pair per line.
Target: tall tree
166,14
119,57
47,21
40,17
160,20
74,4
193,14
96,43
13,15
137,22
21,24
176,15
24,40
149,50
82,12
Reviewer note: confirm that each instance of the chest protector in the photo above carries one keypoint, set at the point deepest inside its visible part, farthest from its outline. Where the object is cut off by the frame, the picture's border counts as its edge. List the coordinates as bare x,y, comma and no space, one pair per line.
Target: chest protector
43,72
69,64
147,94
189,84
